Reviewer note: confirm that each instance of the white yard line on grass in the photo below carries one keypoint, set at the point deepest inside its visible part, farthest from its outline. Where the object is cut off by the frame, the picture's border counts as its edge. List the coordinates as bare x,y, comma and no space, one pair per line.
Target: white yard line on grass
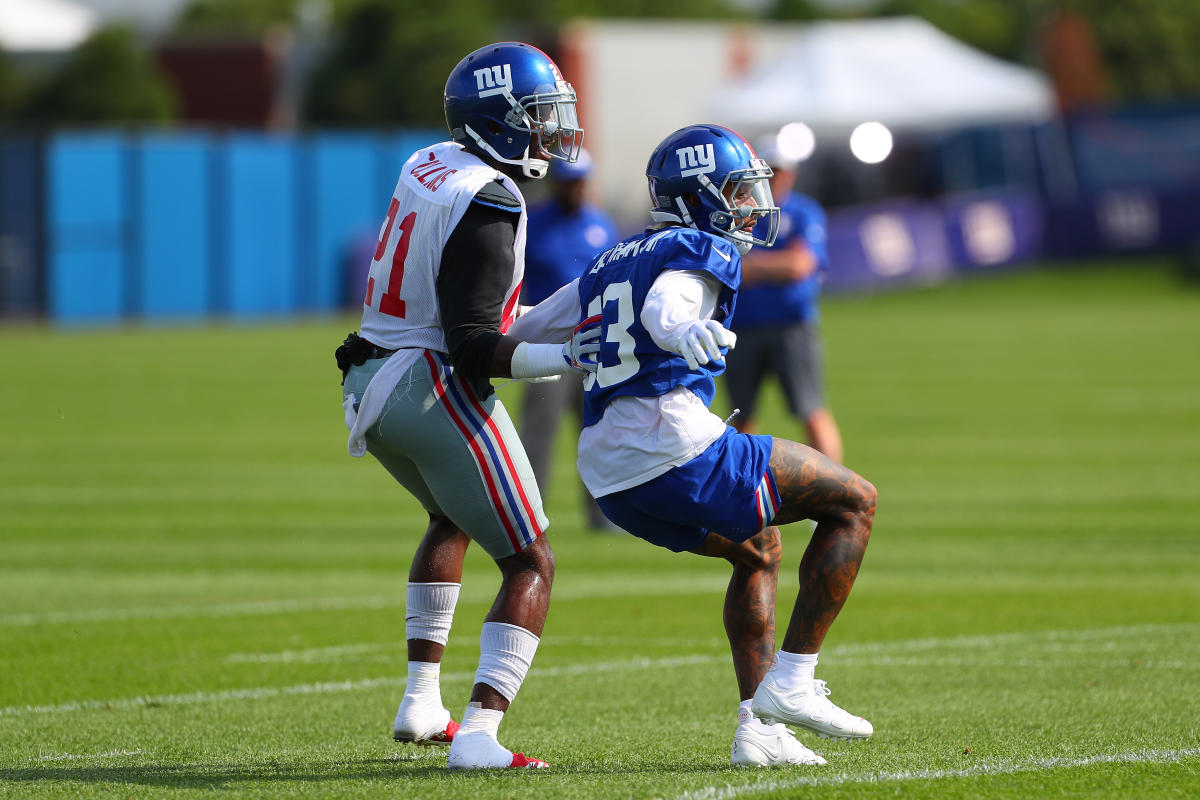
86,756
883,653
370,650
336,653
584,590
990,640
258,608
849,654
994,768
261,692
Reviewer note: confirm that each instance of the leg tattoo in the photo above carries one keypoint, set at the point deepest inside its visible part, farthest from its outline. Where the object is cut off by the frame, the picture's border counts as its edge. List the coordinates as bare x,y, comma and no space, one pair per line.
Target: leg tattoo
749,612
813,486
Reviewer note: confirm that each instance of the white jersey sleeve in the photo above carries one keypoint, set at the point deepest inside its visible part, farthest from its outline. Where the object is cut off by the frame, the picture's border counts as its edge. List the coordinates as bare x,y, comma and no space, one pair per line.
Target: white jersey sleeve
552,320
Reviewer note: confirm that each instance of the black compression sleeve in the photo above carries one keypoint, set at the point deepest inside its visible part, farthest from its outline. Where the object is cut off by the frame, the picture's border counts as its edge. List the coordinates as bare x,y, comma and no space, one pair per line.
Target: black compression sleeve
476,272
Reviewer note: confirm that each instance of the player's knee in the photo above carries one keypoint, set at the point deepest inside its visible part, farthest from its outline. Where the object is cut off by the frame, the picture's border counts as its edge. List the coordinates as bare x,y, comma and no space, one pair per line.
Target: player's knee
870,498
763,552
537,560
548,565
867,498
770,550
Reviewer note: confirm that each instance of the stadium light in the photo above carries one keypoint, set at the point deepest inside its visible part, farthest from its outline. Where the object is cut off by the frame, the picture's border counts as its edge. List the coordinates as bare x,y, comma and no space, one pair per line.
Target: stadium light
871,142
796,141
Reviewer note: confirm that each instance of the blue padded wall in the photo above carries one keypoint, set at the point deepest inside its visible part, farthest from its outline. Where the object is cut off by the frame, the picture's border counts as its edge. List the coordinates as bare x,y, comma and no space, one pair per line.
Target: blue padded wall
346,199
257,208
173,189
87,227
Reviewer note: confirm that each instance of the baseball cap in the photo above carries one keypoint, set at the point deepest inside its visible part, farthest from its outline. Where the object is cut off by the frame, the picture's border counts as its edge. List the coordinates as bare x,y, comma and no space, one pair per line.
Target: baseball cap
573,171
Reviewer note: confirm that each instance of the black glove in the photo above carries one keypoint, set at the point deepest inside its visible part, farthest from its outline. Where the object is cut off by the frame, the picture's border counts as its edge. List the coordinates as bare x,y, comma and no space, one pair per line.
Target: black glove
354,351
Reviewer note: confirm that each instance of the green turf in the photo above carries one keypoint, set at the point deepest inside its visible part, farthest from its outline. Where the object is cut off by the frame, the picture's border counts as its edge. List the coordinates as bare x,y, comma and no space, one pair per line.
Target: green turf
201,594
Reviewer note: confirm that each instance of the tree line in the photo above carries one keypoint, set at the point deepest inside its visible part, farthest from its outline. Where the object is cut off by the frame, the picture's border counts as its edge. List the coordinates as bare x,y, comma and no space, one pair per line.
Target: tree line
385,61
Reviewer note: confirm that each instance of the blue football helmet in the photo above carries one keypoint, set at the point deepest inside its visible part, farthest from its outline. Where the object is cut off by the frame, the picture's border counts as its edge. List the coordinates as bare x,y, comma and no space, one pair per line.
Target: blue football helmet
708,177
510,102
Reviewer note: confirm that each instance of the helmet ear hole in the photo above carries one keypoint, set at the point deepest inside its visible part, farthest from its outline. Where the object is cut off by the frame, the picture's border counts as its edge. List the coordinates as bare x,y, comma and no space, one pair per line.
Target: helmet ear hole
494,128
692,199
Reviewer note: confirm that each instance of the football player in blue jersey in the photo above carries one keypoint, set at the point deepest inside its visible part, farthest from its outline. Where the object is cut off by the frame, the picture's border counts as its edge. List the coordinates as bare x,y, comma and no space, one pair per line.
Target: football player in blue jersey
666,469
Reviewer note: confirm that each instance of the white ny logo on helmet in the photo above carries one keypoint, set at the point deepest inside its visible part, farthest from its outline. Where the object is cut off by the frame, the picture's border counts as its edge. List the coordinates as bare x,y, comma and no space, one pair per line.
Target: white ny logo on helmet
494,80
696,160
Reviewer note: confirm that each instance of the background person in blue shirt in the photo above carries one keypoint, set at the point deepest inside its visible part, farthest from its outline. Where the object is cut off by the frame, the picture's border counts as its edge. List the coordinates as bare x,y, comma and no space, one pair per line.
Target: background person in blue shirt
777,320
565,232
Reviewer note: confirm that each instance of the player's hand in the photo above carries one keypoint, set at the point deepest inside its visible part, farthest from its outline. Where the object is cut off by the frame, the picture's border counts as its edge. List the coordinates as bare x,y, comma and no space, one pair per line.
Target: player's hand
704,341
582,350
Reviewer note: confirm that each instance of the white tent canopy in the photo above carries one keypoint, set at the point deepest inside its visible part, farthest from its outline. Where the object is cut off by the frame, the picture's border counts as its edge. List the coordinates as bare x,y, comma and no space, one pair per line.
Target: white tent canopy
44,25
902,72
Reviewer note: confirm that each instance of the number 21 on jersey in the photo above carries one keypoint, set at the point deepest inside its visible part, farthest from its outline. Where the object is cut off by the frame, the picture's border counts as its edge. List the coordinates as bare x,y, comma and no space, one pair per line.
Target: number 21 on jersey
390,303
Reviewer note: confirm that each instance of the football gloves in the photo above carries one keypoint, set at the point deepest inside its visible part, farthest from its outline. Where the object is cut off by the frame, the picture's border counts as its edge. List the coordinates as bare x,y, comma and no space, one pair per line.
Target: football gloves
582,350
705,341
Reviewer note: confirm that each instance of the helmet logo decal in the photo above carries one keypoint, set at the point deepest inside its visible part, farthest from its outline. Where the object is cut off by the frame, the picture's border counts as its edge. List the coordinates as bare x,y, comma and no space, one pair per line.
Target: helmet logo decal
494,80
696,160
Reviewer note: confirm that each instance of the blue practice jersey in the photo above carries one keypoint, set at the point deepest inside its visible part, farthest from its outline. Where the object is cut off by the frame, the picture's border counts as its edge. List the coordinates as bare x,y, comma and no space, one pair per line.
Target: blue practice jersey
800,218
560,246
616,285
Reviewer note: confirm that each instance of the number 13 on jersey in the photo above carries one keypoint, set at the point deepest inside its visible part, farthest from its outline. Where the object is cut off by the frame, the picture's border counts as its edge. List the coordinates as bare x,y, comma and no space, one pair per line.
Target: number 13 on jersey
616,306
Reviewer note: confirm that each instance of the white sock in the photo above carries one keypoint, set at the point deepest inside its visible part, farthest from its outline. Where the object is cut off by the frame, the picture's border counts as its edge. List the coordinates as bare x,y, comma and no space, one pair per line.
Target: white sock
475,744
505,653
793,669
421,711
429,610
424,681
746,717
477,719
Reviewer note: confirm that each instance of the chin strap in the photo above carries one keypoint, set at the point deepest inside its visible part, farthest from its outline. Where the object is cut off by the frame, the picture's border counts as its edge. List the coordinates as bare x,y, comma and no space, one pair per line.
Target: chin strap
535,168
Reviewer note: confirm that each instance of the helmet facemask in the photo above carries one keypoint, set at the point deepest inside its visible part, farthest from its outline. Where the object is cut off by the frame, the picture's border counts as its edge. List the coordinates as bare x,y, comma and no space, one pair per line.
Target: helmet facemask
742,201
734,209
552,124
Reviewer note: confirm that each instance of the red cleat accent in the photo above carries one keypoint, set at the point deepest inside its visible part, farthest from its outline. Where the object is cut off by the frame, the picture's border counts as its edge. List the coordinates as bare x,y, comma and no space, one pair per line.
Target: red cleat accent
520,761
447,736
441,739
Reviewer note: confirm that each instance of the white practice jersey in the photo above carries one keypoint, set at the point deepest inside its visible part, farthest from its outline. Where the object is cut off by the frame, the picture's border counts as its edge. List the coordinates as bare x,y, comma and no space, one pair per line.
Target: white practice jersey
435,188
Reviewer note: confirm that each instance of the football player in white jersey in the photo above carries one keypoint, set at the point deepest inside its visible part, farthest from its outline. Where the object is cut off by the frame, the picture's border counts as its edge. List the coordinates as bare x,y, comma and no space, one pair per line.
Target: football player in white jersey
442,291
665,468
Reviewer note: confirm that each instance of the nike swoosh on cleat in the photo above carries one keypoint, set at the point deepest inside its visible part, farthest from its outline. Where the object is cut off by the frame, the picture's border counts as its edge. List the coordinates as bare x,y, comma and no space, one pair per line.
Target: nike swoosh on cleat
760,748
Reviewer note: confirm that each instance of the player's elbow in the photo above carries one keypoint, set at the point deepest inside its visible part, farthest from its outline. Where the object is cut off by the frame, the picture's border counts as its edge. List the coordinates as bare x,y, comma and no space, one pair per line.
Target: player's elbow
472,351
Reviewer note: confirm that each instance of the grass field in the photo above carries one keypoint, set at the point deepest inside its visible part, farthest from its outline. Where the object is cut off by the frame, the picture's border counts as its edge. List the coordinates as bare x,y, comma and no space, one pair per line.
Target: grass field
202,595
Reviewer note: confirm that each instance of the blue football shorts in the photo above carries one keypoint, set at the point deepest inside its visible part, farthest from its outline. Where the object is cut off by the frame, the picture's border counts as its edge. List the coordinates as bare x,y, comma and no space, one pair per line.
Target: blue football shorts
729,489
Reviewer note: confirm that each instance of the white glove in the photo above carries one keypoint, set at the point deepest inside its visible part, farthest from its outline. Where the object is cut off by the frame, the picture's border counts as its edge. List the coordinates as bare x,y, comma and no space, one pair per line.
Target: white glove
582,350
705,340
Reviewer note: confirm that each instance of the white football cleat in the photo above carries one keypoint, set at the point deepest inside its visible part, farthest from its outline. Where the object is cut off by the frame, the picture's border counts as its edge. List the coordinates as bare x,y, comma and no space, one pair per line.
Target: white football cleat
423,724
757,744
807,706
480,750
